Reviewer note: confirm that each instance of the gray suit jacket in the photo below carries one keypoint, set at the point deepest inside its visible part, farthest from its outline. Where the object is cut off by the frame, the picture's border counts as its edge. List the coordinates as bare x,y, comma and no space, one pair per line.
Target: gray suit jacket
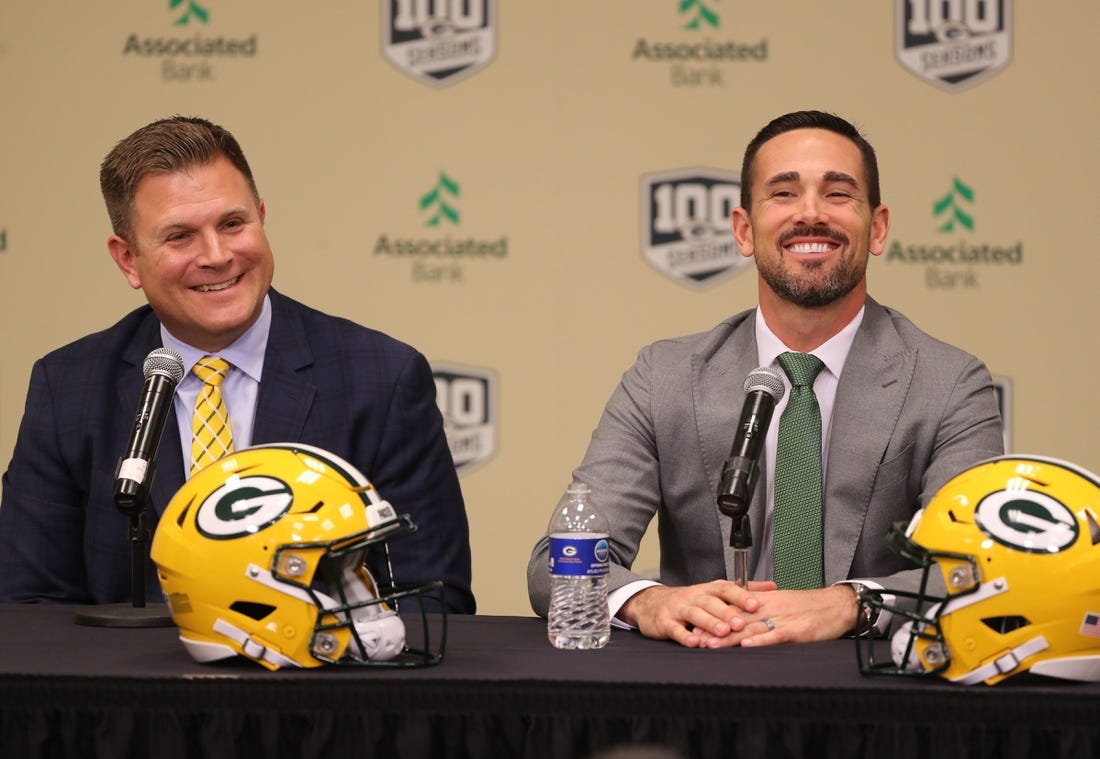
910,413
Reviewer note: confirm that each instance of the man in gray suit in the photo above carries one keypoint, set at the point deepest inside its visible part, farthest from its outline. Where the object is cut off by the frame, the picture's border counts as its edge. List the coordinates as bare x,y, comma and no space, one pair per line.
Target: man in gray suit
901,413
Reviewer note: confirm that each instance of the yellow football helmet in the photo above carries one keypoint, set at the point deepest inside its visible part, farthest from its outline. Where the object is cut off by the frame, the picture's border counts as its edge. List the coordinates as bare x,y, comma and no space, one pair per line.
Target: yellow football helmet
263,554
1015,542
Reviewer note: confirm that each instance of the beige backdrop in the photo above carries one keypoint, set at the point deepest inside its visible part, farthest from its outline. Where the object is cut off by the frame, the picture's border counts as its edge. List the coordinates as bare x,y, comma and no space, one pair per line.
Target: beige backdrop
544,149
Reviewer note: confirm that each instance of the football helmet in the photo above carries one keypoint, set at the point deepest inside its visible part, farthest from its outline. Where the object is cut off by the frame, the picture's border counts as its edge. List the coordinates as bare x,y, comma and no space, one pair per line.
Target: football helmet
263,554
1014,541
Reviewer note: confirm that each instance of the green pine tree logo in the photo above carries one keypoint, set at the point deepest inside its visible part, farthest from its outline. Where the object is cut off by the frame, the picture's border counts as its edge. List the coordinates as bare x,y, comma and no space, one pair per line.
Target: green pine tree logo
701,14
438,201
191,10
948,210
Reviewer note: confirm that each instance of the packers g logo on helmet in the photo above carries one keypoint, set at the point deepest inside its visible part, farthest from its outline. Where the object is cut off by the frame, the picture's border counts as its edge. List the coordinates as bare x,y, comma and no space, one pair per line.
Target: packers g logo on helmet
1010,553
1027,521
243,506
272,553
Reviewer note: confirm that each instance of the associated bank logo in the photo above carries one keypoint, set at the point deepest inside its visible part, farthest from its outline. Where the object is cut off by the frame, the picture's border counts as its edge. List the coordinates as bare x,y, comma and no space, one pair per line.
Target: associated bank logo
190,54
954,260
952,209
441,257
467,398
686,227
954,44
438,202
188,11
699,14
695,57
439,42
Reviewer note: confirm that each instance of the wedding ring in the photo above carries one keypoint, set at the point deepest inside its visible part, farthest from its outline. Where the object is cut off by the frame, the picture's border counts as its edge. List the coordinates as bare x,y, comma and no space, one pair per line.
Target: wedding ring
769,624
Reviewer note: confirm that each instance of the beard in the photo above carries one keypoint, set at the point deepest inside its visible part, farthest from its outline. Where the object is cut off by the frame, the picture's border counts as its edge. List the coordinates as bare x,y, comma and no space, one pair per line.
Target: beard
813,288
808,290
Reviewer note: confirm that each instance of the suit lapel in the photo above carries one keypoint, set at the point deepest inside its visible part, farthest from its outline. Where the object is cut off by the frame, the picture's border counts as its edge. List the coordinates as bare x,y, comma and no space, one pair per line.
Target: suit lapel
287,390
718,377
869,399
170,470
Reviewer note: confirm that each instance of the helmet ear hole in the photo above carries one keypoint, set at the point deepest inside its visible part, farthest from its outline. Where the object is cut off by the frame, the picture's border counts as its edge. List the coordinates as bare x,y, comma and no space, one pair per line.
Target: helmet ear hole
1005,625
252,609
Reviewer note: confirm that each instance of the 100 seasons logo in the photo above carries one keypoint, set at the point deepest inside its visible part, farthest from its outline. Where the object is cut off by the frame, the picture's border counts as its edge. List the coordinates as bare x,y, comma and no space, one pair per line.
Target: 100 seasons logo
189,57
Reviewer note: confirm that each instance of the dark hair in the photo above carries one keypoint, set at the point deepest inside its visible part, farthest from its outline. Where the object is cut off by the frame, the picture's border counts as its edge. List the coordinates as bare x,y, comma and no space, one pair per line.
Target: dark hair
167,145
810,120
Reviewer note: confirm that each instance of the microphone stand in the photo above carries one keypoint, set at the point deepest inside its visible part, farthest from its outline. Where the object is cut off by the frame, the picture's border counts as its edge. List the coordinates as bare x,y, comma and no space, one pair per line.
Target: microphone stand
136,613
737,509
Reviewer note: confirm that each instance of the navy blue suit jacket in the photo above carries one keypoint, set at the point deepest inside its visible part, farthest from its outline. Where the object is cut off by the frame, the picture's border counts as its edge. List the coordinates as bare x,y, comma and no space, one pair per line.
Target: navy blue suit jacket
326,381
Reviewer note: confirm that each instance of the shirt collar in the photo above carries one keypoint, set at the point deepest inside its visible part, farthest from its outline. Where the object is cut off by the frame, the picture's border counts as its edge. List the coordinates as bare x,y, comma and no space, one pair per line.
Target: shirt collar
245,353
833,352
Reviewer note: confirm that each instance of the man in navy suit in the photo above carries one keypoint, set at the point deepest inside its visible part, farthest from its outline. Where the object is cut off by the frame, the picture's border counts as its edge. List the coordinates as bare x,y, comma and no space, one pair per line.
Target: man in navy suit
188,228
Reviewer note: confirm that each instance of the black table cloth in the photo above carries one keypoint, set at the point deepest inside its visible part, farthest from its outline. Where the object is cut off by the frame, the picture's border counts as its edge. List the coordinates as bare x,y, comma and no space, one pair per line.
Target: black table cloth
69,690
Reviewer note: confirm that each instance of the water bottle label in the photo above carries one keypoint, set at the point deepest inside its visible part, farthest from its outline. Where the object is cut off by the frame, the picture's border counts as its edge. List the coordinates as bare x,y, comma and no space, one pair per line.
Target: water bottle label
579,556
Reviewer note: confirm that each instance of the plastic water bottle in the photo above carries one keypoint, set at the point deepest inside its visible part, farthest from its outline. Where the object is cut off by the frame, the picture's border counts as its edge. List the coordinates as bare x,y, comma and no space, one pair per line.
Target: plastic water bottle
578,572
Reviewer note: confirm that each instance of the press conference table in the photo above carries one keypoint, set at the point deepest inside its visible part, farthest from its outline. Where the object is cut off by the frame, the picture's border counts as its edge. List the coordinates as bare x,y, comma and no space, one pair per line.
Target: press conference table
502,690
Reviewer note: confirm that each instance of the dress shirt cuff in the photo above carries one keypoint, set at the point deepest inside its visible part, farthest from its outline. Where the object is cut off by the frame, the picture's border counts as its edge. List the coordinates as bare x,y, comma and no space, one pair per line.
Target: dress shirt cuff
619,596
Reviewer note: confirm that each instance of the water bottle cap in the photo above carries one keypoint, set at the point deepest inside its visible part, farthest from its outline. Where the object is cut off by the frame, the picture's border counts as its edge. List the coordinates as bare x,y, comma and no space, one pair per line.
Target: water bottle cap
579,488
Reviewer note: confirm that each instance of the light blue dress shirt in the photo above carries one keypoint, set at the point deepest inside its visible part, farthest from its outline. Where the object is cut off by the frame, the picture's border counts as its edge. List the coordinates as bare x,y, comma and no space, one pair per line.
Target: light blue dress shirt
239,390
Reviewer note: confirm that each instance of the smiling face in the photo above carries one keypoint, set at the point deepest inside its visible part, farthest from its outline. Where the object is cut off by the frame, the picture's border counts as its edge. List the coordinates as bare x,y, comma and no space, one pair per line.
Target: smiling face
199,252
811,226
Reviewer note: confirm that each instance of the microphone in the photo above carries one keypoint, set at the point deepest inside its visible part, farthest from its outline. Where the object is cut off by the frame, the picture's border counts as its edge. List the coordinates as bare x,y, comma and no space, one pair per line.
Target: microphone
163,370
763,389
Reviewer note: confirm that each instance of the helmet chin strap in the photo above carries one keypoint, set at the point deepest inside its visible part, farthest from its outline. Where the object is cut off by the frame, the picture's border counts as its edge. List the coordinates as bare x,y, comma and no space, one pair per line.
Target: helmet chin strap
251,647
1004,663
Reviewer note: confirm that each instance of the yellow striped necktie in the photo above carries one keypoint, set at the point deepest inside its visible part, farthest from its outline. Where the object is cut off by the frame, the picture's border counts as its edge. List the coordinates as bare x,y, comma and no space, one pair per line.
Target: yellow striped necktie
211,435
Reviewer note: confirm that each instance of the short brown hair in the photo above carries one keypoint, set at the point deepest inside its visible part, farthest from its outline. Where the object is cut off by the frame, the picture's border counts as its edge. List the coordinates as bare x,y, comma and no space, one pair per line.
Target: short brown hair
810,120
167,145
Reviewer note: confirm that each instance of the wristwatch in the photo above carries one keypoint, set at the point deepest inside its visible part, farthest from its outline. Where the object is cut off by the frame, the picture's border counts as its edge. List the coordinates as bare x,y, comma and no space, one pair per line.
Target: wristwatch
870,613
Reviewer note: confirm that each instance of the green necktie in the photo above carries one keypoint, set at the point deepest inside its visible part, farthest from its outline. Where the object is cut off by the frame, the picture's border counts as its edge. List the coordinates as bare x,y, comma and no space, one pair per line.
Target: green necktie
796,516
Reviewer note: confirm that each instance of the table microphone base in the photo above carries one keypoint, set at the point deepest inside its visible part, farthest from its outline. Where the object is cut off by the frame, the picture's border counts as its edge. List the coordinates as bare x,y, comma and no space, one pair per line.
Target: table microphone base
124,615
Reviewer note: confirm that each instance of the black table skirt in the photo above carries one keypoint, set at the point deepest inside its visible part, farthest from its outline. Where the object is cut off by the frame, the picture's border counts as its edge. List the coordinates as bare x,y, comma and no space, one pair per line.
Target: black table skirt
69,690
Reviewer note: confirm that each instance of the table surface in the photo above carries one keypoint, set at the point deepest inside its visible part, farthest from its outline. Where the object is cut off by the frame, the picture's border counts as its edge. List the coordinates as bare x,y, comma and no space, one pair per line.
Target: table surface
43,641
504,689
